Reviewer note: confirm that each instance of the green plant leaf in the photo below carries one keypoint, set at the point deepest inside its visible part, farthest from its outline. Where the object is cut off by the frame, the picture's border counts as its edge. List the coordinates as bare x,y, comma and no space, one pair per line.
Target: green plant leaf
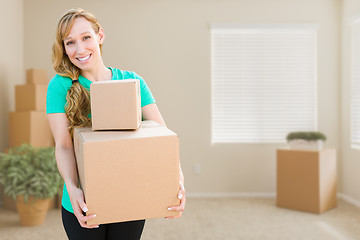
308,136
30,171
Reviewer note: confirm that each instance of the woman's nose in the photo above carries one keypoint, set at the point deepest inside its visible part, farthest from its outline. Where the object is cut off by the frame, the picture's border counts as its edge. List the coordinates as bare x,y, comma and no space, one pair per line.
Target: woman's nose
80,48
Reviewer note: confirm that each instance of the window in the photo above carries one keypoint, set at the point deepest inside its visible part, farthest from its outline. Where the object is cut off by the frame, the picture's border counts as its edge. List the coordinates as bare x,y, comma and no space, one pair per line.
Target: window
263,82
355,83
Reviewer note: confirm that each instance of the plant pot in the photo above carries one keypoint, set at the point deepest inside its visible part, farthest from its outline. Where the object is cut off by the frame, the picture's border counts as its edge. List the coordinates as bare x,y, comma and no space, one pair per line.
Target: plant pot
10,204
305,145
33,212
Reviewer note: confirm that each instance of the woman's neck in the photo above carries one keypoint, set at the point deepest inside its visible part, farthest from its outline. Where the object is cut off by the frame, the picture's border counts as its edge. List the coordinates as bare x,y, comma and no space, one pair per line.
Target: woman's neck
100,74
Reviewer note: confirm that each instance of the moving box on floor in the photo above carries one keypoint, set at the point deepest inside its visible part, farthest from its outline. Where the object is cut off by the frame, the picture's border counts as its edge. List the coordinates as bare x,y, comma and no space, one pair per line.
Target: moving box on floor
30,127
306,180
30,97
36,76
128,175
115,104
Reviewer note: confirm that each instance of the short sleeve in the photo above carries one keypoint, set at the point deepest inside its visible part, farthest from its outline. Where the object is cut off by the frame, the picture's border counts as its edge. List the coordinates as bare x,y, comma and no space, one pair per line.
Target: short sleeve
55,96
146,95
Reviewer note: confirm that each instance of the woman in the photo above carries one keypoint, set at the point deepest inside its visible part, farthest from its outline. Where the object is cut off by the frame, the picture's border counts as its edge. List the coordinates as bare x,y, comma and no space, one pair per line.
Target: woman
78,62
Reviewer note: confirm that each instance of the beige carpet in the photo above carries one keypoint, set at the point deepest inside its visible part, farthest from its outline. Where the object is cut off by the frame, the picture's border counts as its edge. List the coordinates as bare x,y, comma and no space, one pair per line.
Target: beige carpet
218,219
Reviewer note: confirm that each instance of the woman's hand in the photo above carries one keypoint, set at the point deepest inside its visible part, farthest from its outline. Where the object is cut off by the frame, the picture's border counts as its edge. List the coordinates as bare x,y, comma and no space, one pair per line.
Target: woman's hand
79,207
181,207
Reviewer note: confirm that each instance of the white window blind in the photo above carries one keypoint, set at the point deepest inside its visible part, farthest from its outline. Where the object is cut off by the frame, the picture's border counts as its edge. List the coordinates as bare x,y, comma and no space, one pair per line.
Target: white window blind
355,85
263,82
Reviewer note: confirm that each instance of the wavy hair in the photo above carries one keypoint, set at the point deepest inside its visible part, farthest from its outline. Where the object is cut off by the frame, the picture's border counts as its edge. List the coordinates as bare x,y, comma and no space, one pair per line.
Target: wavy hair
77,106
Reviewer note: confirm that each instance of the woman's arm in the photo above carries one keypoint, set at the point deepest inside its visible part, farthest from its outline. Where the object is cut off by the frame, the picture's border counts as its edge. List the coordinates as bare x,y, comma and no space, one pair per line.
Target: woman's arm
66,163
151,112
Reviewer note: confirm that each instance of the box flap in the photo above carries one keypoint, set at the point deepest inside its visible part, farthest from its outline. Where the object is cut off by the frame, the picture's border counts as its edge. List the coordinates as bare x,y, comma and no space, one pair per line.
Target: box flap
147,129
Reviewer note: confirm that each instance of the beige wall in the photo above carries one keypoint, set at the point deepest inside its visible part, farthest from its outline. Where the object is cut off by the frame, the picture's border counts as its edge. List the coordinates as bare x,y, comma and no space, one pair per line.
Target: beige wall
11,61
351,157
168,43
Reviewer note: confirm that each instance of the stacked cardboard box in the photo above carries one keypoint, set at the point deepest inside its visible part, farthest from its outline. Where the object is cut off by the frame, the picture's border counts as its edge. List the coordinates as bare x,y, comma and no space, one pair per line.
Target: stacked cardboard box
138,166
115,105
28,124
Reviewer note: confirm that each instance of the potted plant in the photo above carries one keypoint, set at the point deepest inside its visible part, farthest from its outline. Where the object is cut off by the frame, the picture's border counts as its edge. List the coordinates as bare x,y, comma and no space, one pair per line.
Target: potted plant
306,140
30,176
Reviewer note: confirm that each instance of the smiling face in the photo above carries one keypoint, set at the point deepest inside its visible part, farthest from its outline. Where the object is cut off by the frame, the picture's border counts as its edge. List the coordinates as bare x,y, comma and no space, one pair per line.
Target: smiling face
82,45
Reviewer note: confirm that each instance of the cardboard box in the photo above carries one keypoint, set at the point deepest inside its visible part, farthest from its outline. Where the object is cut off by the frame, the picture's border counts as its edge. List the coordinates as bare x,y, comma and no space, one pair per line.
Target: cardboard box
306,180
30,97
29,127
36,76
115,104
128,175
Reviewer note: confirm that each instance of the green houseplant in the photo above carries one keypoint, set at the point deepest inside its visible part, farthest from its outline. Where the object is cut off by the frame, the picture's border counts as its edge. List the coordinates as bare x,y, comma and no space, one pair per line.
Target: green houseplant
30,176
306,140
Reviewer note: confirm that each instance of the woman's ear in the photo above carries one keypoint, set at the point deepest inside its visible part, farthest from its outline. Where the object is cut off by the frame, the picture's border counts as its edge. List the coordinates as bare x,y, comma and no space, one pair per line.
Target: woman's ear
101,35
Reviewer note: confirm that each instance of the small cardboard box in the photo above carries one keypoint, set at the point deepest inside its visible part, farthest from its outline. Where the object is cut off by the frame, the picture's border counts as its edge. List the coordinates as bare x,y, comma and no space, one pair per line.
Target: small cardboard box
36,76
306,180
30,97
29,127
115,104
128,175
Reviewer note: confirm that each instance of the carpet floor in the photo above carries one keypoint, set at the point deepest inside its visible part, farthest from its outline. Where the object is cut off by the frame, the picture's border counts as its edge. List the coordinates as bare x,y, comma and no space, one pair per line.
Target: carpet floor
234,218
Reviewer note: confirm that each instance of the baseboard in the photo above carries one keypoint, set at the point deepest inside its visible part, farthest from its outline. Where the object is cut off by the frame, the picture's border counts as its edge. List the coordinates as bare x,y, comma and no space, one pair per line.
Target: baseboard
348,199
231,195
345,197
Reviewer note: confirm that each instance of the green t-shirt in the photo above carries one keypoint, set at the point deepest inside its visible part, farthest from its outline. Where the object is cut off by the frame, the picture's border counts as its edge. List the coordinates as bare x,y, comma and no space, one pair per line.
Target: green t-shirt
56,100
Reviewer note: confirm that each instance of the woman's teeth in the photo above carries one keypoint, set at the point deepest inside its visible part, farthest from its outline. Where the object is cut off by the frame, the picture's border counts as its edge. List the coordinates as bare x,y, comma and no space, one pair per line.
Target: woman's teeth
84,58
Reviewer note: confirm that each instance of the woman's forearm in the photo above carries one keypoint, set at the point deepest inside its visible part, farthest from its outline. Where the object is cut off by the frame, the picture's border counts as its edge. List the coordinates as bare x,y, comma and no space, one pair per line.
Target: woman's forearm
66,163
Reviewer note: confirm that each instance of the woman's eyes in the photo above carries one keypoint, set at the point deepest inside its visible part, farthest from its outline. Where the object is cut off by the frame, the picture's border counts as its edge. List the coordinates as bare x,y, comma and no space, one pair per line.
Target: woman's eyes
72,42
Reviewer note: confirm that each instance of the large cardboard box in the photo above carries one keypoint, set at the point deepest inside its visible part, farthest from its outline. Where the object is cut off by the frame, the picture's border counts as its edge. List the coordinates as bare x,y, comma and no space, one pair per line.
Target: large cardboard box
29,127
115,104
128,175
306,180
30,97
36,76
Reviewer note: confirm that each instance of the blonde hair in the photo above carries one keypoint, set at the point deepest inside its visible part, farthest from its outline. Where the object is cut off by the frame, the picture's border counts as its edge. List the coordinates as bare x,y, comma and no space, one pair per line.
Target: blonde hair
77,107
